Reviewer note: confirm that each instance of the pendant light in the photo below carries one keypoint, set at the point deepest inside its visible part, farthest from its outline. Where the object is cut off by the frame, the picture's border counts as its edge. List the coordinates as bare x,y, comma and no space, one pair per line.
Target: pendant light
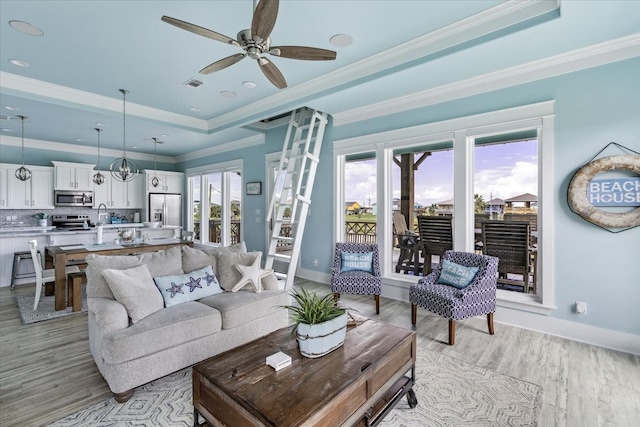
122,169
23,173
98,178
155,182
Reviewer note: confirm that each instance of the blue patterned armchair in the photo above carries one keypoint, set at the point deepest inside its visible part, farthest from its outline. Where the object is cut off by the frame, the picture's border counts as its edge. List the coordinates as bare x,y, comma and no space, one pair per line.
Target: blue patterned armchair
477,299
359,275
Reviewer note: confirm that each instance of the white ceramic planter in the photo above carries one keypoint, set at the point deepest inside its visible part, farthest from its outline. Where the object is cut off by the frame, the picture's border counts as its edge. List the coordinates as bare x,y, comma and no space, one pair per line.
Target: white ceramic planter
320,339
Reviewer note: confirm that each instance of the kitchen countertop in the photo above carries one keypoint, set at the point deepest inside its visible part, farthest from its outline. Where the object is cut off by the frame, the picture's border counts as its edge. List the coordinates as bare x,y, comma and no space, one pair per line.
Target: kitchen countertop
50,230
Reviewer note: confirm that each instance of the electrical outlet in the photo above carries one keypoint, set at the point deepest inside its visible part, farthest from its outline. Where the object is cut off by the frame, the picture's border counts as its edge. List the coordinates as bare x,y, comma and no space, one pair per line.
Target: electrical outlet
315,262
581,307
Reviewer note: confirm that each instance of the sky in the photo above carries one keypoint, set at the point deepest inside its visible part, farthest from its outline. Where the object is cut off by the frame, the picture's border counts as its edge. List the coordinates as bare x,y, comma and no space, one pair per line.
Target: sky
501,171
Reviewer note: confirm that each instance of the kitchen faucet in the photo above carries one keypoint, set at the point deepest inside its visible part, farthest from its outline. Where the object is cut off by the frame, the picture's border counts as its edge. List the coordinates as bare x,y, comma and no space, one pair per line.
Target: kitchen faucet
106,215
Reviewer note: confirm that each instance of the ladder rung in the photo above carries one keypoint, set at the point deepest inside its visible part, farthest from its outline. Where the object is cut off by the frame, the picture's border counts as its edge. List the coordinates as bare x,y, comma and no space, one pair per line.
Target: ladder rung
282,257
283,239
303,199
280,275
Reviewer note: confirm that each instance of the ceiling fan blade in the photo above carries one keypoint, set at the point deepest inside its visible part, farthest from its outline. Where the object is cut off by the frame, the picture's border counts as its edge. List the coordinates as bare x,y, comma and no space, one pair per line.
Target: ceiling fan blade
264,18
272,72
201,31
303,52
223,63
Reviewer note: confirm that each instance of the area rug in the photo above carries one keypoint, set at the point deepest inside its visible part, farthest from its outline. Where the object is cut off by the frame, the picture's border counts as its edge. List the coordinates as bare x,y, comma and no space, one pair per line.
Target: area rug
46,308
450,392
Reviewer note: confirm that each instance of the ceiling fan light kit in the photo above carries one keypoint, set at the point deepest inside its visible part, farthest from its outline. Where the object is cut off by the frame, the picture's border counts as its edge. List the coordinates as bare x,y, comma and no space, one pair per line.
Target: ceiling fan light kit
23,173
256,42
122,169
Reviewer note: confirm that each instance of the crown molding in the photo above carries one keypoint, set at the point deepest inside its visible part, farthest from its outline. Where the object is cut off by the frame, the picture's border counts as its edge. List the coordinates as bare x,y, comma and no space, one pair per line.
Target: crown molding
38,144
250,141
63,95
580,59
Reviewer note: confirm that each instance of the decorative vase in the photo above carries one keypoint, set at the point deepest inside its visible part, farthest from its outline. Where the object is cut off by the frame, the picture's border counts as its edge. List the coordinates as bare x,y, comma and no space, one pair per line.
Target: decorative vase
42,223
322,338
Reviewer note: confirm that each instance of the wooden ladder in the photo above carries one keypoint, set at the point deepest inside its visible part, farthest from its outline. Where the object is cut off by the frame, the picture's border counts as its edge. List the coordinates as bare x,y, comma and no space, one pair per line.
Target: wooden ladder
292,191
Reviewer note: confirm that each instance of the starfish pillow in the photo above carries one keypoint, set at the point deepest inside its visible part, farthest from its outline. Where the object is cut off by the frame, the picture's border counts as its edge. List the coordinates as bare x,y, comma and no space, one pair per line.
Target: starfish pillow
251,274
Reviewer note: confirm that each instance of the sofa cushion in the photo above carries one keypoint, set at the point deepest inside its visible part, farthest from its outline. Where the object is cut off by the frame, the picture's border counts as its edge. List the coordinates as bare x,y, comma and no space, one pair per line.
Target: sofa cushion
177,289
238,308
194,259
166,328
228,275
160,263
251,275
135,289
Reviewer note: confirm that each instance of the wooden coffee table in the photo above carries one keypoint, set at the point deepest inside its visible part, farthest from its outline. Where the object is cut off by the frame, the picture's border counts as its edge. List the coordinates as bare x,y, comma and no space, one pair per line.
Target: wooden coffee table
357,384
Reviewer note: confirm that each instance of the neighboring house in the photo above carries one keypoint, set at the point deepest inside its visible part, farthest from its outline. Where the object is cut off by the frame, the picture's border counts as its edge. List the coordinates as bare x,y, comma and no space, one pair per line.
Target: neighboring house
445,207
495,208
351,208
524,203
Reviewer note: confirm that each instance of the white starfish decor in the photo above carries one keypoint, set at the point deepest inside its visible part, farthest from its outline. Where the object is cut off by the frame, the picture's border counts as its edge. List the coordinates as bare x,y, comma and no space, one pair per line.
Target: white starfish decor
251,274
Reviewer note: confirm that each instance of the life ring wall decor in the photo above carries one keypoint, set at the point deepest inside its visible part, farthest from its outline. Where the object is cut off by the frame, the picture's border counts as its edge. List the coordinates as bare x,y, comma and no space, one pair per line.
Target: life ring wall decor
577,192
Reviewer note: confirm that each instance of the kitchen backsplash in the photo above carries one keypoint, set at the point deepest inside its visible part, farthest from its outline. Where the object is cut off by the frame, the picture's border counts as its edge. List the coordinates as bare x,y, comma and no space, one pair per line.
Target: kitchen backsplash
25,216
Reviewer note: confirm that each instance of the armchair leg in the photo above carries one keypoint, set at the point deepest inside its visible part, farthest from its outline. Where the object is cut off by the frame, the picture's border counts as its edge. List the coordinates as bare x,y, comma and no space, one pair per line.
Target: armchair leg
377,304
452,332
414,313
490,323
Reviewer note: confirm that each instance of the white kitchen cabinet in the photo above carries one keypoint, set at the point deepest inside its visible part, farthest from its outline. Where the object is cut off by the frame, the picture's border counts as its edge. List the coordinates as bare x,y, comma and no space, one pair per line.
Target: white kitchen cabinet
34,193
118,194
168,182
73,176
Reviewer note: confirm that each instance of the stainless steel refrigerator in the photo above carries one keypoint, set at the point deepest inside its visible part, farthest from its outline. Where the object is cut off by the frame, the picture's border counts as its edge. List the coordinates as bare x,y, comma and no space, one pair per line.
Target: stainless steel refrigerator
166,208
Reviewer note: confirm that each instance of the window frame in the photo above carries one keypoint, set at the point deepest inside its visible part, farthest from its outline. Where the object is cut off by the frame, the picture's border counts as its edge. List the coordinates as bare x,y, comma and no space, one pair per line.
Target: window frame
463,132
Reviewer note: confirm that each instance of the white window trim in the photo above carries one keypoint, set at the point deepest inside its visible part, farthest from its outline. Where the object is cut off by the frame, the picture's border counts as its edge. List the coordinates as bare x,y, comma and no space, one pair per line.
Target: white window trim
203,171
461,131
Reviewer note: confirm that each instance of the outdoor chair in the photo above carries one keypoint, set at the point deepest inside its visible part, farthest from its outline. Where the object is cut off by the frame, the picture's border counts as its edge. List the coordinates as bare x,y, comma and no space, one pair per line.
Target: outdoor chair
455,303
436,237
408,242
44,276
356,270
509,241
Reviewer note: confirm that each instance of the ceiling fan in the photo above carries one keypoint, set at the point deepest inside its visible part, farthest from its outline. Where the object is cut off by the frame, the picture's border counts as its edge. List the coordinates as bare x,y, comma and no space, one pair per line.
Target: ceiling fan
255,42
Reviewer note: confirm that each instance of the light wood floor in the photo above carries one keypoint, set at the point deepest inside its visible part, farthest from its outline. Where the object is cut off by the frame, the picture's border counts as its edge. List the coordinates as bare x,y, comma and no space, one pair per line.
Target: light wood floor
46,370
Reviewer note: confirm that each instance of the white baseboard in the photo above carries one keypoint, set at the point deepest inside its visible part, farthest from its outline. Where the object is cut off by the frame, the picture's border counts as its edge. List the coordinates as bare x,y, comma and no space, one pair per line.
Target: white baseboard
601,337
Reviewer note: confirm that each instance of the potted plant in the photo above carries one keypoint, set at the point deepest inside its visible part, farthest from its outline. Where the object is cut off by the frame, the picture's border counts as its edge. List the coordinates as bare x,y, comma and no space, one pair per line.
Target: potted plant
320,325
42,218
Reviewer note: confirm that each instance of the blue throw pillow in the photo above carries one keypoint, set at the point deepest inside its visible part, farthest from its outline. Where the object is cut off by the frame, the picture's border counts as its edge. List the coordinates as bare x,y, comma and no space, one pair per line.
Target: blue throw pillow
356,261
456,275
177,289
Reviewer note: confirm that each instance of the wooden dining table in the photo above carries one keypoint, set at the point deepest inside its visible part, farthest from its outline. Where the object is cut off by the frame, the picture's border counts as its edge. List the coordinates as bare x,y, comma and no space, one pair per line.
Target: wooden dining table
57,257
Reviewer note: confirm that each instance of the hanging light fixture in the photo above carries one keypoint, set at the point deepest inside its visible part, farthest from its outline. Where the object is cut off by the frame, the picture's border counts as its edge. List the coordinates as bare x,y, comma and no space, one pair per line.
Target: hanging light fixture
155,181
23,173
122,169
98,178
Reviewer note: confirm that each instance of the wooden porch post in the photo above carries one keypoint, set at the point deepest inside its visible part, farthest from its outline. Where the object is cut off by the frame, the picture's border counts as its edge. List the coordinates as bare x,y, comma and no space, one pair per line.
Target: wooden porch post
407,184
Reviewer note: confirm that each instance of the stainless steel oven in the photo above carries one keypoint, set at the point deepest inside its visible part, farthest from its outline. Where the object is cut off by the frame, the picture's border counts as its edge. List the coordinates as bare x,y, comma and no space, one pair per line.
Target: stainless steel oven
73,198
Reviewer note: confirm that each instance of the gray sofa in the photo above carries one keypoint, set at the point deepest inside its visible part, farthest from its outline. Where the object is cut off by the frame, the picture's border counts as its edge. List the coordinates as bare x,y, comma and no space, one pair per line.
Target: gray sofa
132,348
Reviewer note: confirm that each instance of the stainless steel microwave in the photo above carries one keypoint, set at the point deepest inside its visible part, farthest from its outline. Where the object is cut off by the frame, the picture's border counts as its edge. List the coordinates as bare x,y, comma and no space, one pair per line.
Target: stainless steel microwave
73,198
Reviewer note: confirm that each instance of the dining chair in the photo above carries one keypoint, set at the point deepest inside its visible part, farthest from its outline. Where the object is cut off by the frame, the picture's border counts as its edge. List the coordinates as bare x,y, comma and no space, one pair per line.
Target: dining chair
356,270
436,237
44,276
409,244
457,301
509,242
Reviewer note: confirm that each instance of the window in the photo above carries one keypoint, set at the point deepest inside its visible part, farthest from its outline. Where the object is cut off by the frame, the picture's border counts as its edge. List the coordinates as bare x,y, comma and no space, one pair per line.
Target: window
473,163
215,193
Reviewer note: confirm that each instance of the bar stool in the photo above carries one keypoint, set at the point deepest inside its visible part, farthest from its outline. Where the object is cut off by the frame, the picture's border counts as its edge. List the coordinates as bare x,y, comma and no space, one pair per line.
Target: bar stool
17,258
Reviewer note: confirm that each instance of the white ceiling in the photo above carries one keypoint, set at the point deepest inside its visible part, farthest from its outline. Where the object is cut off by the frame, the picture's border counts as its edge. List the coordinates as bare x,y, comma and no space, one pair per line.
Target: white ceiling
91,49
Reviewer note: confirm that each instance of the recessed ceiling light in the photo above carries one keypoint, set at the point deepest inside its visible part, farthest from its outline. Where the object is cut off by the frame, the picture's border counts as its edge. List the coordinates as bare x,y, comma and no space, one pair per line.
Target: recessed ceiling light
78,140
11,108
7,130
19,63
228,94
164,135
249,84
99,124
194,109
341,40
26,28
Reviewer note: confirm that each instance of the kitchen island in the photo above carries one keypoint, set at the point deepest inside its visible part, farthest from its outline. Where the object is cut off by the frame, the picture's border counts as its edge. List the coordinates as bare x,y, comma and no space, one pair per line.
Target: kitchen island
16,239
